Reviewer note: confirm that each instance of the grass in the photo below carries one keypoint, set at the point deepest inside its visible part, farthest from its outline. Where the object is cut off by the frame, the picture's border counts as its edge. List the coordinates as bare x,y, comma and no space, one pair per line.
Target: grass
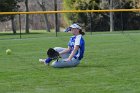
111,64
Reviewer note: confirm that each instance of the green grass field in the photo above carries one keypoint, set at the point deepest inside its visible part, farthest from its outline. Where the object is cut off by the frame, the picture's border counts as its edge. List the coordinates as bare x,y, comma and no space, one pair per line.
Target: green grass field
111,64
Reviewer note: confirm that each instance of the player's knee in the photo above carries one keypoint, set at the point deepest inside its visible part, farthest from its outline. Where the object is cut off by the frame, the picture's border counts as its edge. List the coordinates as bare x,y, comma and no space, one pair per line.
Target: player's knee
54,64
56,48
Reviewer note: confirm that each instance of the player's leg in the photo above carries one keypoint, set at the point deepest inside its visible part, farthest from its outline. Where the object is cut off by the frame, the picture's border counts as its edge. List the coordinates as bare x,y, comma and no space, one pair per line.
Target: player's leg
62,63
59,49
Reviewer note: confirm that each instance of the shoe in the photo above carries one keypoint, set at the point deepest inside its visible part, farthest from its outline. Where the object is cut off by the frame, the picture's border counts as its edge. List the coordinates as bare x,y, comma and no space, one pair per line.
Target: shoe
42,60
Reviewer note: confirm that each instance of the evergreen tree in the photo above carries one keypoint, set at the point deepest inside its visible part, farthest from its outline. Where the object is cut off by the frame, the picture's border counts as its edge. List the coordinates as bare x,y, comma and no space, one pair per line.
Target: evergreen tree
8,6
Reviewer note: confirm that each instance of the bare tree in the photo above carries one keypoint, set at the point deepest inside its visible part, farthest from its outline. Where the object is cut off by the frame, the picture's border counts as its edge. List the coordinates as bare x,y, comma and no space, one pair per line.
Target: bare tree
42,4
27,17
113,4
13,24
57,24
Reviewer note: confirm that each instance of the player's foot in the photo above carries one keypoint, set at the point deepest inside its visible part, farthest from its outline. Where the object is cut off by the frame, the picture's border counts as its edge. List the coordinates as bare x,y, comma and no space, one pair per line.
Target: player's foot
43,61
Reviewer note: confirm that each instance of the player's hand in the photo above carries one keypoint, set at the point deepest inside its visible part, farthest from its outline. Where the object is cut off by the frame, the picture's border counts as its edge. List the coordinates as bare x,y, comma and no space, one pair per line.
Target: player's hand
67,60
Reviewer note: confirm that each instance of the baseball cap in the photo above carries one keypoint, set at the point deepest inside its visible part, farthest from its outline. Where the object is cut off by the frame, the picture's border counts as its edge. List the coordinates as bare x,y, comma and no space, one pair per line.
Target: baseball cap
75,26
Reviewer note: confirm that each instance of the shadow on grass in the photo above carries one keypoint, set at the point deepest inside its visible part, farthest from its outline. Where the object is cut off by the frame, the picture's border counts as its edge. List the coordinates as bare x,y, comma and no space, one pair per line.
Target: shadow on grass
7,36
94,66
3,34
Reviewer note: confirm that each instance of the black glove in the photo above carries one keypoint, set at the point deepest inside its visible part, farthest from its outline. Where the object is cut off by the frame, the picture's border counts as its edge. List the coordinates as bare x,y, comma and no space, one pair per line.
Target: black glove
53,54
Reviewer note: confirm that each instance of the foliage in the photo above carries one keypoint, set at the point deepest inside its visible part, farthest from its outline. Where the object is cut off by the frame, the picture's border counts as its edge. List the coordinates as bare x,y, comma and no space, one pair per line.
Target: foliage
126,20
82,18
8,6
100,21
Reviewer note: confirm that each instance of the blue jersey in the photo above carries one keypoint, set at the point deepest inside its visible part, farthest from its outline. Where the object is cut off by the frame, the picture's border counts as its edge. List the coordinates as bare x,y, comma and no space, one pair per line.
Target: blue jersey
77,40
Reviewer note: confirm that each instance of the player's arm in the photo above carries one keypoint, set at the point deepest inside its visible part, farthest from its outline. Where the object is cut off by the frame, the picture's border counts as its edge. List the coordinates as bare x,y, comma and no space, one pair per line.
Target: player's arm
76,47
65,51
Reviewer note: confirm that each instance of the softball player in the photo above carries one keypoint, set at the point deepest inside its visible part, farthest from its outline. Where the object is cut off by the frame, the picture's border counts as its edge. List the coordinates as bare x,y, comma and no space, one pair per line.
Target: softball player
72,55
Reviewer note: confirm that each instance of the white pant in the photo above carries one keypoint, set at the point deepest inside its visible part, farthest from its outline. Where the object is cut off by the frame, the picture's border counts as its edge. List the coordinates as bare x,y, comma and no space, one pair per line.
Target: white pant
62,63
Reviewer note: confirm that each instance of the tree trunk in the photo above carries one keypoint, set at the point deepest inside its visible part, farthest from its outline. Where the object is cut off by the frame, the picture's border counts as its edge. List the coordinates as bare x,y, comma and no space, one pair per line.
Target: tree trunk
57,26
45,15
91,22
111,22
13,25
27,17
47,23
111,17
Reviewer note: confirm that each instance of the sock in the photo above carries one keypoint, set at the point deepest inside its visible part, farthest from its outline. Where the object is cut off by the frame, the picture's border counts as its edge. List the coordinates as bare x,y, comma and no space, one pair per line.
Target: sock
48,60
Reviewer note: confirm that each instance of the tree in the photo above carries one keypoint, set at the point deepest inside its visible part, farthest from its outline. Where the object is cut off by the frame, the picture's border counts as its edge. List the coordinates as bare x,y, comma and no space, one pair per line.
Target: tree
27,17
13,22
57,24
9,6
42,4
111,16
126,20
87,20
104,21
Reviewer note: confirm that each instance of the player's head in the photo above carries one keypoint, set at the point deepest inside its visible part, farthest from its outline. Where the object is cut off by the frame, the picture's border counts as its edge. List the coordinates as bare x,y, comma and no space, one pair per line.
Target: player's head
76,29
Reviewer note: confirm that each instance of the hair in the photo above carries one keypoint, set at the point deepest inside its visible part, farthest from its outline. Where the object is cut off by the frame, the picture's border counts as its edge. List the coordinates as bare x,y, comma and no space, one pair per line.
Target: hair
81,32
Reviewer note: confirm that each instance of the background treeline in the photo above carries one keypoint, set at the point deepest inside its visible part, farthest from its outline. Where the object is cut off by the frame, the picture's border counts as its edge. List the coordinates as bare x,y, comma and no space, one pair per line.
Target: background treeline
90,21
102,21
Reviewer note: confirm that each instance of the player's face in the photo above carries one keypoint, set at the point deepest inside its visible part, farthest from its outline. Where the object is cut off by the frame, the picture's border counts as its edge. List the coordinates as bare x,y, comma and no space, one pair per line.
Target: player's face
75,31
